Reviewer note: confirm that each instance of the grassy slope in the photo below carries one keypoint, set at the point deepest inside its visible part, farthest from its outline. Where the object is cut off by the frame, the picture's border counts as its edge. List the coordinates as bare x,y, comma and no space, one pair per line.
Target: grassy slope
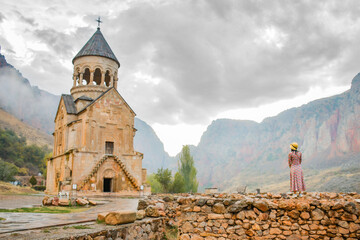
33,135
7,188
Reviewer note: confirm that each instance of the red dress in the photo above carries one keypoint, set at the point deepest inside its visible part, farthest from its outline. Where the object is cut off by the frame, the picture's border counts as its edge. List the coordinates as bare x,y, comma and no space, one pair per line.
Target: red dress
296,174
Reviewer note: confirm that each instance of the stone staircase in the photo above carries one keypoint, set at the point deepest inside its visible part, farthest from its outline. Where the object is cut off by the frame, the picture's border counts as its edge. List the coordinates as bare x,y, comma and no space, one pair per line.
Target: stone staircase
122,165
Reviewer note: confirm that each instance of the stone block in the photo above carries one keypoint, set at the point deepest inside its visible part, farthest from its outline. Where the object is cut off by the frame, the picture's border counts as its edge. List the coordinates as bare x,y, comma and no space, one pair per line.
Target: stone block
120,217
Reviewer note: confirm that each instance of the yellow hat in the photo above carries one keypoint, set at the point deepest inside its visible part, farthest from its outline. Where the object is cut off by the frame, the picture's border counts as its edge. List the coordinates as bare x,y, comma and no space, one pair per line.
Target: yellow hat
294,146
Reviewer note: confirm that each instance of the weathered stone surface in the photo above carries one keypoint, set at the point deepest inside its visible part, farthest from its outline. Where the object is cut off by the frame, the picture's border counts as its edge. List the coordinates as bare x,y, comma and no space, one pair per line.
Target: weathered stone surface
305,215
101,216
92,202
152,211
55,201
187,227
140,214
200,202
64,202
120,217
294,214
261,205
317,214
142,204
275,231
218,208
237,206
215,216
81,202
350,207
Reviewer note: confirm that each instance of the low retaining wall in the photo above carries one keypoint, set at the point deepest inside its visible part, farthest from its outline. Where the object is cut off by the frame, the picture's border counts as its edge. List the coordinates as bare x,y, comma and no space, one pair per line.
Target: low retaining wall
221,216
145,229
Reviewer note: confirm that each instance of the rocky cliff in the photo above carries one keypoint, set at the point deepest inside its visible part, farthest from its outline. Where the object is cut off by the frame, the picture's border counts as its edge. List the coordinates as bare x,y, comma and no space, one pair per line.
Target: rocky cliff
232,153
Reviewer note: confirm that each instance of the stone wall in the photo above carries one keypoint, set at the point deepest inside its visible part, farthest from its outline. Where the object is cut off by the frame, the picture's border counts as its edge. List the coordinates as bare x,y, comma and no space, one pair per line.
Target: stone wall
267,216
145,229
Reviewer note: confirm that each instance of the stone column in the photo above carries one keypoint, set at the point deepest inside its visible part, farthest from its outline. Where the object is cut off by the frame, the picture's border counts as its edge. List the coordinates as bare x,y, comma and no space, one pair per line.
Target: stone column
81,78
102,78
91,77
74,77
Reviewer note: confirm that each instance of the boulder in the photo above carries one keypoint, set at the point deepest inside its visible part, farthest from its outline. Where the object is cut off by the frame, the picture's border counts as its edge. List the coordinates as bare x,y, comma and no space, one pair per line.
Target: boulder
64,202
92,203
81,202
237,206
55,201
46,201
218,208
120,217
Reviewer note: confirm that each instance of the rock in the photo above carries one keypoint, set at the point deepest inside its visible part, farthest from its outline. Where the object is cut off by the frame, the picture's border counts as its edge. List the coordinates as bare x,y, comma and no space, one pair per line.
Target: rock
81,202
120,217
142,204
184,237
332,195
64,202
261,205
350,207
343,224
303,206
354,227
210,202
101,216
337,206
275,231
99,238
305,215
152,211
218,208
317,214
166,199
92,203
140,214
200,202
187,228
55,201
214,216
237,206
45,201
295,214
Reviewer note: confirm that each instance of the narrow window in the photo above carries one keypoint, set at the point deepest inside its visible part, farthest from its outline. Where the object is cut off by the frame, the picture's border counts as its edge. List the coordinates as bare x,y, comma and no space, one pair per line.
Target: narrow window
109,147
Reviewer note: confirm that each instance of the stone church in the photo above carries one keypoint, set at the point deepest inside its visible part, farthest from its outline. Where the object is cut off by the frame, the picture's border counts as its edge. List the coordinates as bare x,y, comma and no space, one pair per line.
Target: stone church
94,130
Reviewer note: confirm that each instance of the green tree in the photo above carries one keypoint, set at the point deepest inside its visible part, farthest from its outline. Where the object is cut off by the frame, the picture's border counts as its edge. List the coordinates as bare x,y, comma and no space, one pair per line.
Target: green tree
7,171
33,181
187,170
163,176
178,185
155,185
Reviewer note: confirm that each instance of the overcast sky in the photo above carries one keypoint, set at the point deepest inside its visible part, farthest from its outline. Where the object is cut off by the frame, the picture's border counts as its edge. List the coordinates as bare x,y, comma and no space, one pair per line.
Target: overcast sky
185,63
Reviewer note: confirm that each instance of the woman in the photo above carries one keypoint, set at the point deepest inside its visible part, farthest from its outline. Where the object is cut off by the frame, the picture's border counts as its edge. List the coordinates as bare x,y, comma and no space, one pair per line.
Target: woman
296,174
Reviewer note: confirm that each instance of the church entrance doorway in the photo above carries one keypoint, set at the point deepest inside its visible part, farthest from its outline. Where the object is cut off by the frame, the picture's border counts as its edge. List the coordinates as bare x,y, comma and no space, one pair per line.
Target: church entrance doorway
107,184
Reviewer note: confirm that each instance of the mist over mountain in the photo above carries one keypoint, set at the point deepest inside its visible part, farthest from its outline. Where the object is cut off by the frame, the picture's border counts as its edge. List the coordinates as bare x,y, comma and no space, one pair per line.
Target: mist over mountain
28,103
233,153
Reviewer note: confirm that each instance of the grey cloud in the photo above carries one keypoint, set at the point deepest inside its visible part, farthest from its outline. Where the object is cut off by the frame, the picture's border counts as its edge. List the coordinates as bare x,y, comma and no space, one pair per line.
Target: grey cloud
2,17
213,56
27,20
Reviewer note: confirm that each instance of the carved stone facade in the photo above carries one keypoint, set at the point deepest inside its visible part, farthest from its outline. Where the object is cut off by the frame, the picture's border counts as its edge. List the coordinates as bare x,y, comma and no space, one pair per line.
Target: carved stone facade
94,130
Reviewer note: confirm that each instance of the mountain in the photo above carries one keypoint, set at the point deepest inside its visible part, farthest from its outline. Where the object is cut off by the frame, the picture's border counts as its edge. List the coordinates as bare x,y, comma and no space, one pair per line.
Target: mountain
28,103
147,142
32,135
234,153
23,105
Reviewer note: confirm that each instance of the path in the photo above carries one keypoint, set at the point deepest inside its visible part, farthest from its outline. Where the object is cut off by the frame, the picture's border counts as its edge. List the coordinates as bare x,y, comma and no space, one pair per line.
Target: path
20,221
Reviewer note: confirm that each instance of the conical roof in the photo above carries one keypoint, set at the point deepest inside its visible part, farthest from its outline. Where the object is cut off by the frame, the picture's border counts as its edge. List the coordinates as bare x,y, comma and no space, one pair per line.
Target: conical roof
97,46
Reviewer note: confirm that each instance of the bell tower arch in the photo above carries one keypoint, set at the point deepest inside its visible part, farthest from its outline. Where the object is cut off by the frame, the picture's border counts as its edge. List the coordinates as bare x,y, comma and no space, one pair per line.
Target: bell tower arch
95,68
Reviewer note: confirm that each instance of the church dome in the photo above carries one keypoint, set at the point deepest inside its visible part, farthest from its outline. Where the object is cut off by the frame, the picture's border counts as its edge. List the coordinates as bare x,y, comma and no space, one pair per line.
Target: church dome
97,46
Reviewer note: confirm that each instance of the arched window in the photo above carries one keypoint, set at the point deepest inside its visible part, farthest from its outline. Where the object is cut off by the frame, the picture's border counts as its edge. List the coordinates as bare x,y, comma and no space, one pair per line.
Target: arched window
107,78
97,77
86,77
77,75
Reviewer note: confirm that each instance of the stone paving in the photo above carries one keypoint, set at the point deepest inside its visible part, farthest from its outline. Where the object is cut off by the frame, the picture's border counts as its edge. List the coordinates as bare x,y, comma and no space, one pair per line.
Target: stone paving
20,221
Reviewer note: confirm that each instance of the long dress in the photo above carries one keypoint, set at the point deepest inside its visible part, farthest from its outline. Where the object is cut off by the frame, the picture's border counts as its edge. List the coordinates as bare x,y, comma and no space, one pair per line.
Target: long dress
296,174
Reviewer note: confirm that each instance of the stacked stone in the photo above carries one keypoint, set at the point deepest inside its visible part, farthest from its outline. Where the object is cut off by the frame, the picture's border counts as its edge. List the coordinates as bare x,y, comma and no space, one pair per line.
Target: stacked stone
223,216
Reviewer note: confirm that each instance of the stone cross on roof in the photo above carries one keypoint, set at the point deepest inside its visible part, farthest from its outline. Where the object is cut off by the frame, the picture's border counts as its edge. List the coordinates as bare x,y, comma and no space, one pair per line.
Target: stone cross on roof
99,21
